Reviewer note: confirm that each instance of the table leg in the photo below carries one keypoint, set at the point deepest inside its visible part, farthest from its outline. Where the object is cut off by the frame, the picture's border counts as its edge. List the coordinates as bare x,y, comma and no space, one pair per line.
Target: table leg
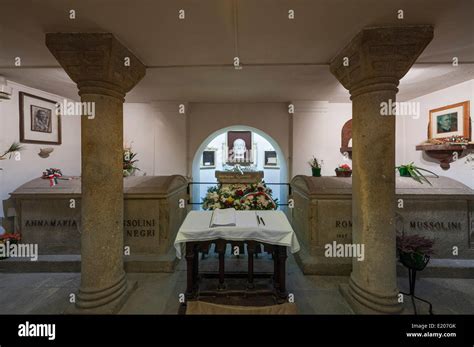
276,269
190,285
282,271
221,246
251,251
196,267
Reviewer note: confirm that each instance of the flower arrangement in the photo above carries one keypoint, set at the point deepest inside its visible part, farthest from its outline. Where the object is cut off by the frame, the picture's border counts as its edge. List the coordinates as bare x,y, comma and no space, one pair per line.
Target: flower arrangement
240,196
129,161
414,250
414,244
343,170
344,167
12,237
452,140
53,175
9,238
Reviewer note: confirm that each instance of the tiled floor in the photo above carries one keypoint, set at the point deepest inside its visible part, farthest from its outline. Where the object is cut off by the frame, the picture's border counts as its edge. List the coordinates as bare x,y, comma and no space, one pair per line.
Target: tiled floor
158,293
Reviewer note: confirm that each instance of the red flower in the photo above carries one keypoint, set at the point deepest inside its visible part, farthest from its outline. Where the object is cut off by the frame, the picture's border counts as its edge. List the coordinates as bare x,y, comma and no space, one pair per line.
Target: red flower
9,236
239,193
344,167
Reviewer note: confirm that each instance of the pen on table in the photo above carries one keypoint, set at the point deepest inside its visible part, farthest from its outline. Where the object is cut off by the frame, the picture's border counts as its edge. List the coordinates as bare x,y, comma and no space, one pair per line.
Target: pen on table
262,221
258,220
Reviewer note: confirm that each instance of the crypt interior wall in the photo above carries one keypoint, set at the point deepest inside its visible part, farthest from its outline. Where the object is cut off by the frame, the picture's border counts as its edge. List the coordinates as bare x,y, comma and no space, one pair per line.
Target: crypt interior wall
67,156
166,140
413,131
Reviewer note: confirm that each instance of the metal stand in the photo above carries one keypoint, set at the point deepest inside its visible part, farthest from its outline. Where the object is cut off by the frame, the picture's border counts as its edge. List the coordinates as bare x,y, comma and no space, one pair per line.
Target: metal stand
412,283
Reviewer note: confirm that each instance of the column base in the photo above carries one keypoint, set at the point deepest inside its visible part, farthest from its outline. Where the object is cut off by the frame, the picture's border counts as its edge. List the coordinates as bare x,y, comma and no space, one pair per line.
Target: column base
112,306
363,302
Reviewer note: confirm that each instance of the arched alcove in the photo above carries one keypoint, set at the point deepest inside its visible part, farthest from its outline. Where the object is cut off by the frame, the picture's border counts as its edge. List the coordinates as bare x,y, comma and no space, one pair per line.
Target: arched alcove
283,168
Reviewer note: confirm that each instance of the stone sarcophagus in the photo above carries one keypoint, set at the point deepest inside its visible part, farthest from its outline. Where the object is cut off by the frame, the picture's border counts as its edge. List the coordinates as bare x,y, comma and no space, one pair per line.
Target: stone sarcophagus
154,208
322,215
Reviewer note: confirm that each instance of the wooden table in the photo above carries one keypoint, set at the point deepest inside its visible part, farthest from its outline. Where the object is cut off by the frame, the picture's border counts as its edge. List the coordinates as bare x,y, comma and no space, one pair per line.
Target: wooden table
254,228
192,261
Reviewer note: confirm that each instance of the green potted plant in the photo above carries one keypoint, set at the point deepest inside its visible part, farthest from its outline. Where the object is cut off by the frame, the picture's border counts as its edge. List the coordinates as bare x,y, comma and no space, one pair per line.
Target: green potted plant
129,167
343,170
413,171
315,166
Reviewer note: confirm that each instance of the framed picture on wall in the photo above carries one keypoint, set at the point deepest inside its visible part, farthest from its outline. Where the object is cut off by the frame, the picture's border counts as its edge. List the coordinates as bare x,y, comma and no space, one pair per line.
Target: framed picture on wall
448,121
239,145
209,158
39,122
271,160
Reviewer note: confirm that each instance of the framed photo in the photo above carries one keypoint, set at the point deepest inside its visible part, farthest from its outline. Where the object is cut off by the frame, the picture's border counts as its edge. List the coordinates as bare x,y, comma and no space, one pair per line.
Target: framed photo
209,158
39,122
448,121
270,160
239,146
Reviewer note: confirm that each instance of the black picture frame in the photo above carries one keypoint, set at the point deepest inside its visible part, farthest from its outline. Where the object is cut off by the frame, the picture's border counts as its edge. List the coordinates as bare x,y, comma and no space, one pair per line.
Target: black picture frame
50,114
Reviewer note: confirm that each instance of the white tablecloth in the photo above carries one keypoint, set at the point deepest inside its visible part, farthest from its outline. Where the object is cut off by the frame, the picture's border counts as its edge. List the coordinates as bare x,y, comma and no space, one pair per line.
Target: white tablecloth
276,231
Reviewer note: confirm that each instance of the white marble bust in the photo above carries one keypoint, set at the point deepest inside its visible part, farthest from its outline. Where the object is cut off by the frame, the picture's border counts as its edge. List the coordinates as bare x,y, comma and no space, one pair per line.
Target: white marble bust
239,150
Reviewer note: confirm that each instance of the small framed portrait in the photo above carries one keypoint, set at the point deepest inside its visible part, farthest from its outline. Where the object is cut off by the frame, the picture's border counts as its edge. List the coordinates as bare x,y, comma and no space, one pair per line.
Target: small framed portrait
271,160
209,158
239,146
448,121
39,122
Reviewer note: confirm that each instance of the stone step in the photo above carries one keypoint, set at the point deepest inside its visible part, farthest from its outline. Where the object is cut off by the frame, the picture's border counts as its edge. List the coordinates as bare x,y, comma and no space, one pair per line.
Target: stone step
72,263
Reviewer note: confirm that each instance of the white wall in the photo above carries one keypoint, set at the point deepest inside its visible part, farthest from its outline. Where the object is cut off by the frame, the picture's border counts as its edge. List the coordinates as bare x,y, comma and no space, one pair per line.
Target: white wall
271,118
317,131
414,131
157,133
66,156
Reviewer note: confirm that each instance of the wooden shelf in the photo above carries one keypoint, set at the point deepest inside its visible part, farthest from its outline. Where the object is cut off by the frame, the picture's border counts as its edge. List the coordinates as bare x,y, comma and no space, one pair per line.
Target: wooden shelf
444,153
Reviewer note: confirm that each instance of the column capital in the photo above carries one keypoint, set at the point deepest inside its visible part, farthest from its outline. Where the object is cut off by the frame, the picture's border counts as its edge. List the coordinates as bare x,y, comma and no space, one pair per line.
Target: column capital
96,62
378,57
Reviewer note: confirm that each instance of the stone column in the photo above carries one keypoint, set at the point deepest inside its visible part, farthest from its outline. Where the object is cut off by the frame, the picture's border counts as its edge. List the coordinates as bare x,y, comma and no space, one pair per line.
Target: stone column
98,63
370,67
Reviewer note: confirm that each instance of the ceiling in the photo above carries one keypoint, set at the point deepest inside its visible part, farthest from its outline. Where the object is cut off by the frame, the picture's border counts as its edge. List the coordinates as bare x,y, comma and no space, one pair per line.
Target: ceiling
191,59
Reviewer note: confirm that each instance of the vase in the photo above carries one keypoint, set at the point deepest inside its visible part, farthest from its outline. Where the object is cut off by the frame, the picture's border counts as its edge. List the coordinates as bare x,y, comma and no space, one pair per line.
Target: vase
341,173
403,172
316,171
413,260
